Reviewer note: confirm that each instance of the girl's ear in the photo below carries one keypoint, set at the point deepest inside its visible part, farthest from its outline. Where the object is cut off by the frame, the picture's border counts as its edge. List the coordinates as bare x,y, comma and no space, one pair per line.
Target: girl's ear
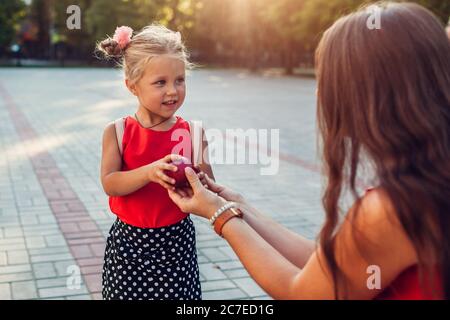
131,87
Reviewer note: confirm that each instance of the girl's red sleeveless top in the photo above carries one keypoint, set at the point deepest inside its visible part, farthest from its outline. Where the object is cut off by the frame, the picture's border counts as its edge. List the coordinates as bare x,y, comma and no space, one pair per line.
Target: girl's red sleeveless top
150,206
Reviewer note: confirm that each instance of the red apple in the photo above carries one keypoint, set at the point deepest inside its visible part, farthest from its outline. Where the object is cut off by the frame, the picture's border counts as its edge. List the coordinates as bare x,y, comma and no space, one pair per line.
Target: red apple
179,175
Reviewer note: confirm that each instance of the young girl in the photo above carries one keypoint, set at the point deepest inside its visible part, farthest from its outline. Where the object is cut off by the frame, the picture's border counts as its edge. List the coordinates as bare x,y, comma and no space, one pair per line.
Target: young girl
150,252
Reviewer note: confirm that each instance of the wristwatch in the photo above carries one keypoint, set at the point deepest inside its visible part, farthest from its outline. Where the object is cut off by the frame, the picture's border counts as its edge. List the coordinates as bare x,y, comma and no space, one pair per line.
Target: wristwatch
225,217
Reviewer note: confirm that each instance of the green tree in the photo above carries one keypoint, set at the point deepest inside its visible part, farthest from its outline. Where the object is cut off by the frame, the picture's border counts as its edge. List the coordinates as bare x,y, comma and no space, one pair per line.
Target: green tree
11,13
318,15
103,16
231,32
283,15
248,33
41,16
80,40
211,32
177,14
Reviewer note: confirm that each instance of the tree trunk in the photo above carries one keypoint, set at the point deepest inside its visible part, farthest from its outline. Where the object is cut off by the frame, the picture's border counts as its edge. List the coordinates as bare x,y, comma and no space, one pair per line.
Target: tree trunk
42,16
289,63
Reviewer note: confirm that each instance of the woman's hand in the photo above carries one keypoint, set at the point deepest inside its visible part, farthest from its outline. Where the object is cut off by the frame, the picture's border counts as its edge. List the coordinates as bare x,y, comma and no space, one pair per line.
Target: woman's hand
156,172
202,177
197,199
222,191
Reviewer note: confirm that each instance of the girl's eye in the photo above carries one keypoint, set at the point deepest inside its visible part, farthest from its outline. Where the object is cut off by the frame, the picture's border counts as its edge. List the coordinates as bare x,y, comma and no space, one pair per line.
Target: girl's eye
180,80
160,82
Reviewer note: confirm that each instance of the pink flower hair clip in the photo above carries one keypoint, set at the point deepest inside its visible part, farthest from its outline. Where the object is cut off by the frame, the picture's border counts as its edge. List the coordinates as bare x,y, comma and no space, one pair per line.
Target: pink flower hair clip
122,36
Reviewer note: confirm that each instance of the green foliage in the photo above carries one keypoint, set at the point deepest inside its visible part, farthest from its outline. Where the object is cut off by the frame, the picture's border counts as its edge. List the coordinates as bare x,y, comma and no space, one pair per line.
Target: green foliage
243,32
103,16
318,15
11,12
177,14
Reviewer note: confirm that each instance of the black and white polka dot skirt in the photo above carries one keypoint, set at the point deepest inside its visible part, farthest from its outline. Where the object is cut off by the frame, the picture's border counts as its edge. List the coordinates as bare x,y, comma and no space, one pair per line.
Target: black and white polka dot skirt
151,264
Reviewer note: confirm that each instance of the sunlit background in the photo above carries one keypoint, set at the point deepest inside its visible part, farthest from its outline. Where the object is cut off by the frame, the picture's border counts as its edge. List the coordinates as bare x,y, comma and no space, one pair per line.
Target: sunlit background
228,33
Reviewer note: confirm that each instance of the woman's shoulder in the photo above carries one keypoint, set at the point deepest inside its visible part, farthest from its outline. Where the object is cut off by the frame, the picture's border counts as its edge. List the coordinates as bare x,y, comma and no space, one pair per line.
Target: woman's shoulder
377,205
375,218
372,235
374,211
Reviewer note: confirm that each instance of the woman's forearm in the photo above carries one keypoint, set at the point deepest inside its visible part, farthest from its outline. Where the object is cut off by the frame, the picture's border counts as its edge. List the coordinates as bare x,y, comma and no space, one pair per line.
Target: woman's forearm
292,246
267,266
121,183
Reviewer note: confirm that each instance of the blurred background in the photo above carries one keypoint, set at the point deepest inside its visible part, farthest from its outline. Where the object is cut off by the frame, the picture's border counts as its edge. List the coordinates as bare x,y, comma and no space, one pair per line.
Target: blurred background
251,34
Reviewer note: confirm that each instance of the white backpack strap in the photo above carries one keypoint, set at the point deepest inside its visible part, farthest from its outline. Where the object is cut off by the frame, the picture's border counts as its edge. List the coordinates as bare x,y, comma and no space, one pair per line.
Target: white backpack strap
197,141
119,124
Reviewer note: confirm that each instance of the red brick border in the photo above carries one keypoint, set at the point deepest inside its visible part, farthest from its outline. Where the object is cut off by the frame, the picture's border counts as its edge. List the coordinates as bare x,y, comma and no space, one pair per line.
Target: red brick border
85,240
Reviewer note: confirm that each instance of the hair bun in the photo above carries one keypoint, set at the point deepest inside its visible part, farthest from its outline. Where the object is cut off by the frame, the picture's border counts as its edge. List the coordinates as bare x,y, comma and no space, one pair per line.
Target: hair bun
111,48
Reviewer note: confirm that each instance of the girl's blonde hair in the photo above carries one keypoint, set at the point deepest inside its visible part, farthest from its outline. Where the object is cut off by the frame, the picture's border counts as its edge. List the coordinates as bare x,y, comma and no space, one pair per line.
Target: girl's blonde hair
152,41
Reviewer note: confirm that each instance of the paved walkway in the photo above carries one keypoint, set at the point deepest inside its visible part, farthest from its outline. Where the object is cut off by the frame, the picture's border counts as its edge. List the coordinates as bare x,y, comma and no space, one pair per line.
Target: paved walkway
54,215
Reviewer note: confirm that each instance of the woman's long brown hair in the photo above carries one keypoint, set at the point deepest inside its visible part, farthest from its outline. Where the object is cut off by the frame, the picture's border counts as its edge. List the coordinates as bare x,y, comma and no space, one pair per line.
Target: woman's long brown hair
386,92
